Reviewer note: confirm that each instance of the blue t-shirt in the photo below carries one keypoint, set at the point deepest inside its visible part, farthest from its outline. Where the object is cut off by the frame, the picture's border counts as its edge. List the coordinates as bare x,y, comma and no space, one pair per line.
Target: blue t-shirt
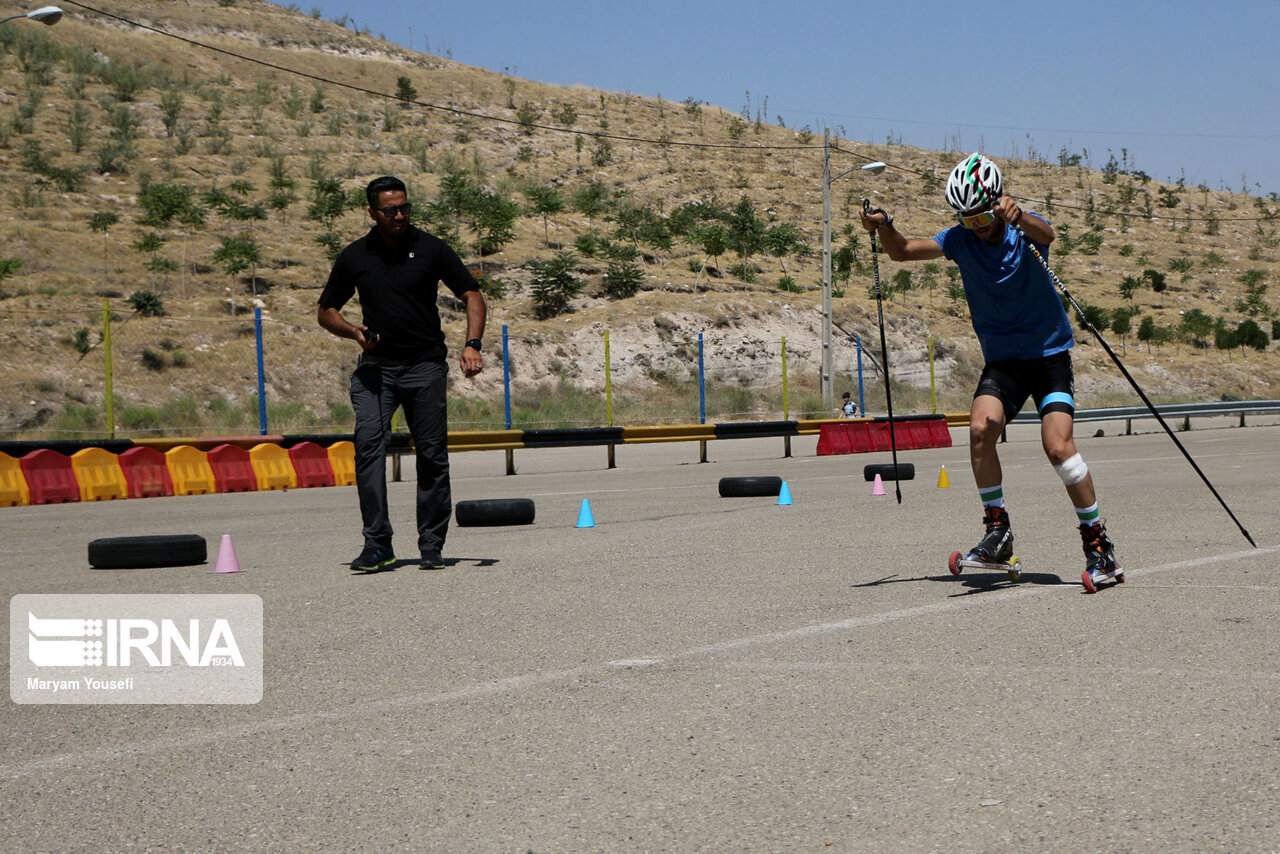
1014,306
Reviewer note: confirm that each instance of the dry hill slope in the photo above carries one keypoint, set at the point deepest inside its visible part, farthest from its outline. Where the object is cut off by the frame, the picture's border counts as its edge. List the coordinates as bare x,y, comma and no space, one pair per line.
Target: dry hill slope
97,113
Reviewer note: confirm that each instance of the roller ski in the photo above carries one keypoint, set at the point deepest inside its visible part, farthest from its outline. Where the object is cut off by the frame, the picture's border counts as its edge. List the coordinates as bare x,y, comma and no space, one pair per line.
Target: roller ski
1101,566
994,552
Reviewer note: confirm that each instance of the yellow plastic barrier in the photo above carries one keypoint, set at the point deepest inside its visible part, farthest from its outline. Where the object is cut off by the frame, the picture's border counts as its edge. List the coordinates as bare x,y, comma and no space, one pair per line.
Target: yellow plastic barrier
342,456
13,484
272,466
99,475
190,471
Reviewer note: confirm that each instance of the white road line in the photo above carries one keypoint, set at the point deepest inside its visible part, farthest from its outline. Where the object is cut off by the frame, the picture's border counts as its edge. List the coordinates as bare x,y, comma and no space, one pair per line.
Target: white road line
527,681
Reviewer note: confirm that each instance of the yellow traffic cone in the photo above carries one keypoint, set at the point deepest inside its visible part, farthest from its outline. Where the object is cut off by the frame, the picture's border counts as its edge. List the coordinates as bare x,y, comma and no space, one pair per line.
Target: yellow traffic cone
943,481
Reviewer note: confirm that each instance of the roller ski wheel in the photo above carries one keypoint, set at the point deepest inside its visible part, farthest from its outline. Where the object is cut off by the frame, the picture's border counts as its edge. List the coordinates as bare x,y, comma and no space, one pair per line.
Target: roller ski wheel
1094,579
960,562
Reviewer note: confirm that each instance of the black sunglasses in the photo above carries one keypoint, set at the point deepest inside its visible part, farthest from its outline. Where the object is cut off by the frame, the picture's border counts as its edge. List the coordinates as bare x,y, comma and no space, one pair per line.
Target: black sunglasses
390,211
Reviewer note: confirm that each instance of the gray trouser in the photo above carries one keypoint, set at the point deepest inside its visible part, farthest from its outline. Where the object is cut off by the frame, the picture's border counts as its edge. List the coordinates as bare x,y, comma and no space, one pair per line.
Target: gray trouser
376,390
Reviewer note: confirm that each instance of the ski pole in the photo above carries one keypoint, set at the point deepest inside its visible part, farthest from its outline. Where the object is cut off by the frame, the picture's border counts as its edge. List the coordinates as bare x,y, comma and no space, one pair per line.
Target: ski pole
884,357
1142,394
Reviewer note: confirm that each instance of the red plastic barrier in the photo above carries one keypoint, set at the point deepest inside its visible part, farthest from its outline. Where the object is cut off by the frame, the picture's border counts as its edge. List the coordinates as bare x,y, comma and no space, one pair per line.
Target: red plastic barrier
145,473
862,437
311,462
232,469
50,477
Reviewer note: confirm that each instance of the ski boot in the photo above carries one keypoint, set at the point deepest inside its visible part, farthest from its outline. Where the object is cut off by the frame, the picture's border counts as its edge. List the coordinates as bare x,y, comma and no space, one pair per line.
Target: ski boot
1100,557
994,551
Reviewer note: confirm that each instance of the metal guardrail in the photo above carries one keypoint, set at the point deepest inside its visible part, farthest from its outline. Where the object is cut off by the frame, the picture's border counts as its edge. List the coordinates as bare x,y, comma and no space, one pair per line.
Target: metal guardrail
610,437
1185,411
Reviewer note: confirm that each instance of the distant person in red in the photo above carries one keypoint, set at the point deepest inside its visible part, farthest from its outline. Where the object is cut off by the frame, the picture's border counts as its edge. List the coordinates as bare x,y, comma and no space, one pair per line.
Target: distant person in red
397,269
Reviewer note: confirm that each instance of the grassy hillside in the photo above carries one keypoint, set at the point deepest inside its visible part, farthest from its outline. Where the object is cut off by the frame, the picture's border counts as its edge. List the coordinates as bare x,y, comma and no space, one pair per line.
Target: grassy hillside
138,167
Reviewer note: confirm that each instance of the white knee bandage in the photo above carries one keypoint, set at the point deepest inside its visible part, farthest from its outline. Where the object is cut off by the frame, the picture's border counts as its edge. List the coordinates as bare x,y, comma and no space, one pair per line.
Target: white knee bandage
1072,471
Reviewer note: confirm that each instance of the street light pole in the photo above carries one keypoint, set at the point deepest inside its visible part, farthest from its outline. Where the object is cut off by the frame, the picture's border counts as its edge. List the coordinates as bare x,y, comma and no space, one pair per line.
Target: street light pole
828,367
48,15
828,396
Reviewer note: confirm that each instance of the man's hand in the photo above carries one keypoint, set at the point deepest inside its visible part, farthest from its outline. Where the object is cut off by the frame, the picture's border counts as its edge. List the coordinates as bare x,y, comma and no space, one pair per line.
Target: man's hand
1007,209
873,219
472,361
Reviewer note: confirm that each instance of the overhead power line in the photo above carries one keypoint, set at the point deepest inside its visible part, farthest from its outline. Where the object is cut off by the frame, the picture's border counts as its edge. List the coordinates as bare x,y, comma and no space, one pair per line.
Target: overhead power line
585,133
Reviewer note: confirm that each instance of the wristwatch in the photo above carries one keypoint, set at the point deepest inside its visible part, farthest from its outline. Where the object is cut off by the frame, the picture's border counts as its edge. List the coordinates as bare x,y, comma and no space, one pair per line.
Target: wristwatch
475,344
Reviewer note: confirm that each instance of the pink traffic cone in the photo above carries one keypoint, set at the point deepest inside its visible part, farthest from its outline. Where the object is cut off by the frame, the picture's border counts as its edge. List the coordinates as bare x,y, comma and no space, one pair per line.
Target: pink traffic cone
227,561
877,488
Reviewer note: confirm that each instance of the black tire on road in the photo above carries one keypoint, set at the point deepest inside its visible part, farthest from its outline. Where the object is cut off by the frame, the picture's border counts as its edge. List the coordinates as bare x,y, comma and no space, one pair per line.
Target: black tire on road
148,552
906,471
745,487
494,511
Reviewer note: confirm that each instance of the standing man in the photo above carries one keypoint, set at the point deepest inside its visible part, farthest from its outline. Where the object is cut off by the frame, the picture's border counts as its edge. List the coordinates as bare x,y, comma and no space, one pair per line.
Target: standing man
1026,341
397,269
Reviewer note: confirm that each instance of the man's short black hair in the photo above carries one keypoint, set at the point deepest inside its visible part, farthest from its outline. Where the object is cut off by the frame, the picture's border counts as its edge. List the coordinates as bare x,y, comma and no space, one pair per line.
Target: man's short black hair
385,184
846,394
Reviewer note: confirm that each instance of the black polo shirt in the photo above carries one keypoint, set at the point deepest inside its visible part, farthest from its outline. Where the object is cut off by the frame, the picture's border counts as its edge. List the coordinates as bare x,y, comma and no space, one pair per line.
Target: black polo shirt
398,288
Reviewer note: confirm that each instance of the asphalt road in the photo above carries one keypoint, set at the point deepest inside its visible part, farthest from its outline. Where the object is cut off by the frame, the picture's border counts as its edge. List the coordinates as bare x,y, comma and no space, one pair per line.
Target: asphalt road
697,673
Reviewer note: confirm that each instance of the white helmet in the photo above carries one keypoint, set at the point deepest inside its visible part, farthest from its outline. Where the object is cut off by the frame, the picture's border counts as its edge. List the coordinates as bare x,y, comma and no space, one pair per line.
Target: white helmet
974,182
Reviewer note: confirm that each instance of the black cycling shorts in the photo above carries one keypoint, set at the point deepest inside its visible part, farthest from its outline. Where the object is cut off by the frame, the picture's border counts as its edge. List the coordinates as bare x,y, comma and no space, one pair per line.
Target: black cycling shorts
1048,381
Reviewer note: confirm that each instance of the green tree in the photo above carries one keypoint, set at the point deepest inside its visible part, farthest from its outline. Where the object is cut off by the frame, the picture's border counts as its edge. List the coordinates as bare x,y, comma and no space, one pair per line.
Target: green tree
405,91
1251,335
1254,303
781,240
1197,326
543,202
1129,287
1156,279
622,279
746,230
146,303
1121,325
495,219
171,111
1147,331
162,203
1096,316
553,284
328,202
237,254
527,114
929,272
151,242
78,130
713,240
591,199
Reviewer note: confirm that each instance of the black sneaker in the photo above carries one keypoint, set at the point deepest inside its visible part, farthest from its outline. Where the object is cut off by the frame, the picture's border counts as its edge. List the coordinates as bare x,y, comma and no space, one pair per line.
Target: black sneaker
1100,557
432,560
997,545
373,558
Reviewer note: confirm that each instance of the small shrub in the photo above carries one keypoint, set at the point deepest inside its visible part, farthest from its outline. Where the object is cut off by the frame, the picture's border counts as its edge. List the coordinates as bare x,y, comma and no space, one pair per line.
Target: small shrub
153,361
146,303
622,279
745,271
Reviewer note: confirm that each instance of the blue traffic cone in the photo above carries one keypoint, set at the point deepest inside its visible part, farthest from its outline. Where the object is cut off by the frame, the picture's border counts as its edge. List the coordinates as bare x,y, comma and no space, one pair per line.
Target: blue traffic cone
585,519
784,495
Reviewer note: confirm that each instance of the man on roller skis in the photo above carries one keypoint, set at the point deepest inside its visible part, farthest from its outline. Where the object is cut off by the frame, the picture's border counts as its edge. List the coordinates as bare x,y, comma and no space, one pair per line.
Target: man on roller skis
1026,341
